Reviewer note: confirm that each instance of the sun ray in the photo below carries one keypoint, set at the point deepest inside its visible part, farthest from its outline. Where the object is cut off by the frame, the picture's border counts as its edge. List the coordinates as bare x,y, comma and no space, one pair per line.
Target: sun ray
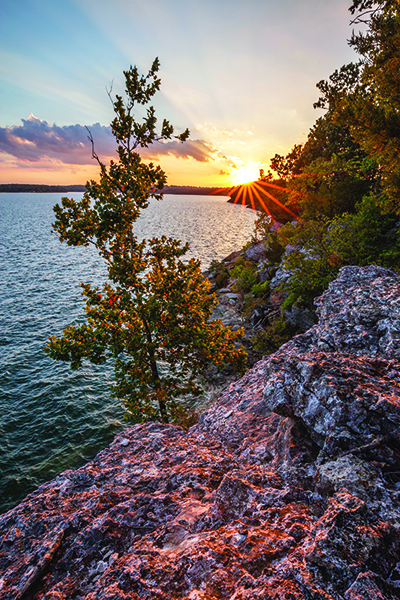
277,201
254,190
244,192
250,190
238,190
263,204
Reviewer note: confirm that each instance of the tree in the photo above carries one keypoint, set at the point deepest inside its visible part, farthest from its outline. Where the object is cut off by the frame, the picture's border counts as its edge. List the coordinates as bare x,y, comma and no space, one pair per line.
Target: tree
345,179
153,315
366,96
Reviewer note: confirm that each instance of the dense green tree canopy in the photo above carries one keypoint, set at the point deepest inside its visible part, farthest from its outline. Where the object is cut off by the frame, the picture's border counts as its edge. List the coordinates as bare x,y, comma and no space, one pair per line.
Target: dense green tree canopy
366,97
345,180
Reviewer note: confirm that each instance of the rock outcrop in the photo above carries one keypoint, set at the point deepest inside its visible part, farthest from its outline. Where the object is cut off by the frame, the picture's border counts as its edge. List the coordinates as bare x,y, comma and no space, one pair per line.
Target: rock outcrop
287,488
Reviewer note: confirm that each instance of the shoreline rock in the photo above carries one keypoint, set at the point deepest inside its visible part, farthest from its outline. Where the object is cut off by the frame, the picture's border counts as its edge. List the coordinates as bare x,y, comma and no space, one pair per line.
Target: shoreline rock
288,488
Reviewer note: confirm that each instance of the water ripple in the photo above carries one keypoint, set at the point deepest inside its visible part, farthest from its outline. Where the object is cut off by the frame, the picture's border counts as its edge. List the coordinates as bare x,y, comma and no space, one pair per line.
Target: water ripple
52,418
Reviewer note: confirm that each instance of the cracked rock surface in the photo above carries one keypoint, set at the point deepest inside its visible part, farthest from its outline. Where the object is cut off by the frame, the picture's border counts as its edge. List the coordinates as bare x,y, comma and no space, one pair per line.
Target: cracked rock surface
288,487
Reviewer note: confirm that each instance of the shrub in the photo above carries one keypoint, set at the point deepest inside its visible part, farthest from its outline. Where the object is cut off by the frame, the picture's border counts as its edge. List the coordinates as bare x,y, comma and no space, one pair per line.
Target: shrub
259,290
323,246
220,273
245,273
270,339
274,240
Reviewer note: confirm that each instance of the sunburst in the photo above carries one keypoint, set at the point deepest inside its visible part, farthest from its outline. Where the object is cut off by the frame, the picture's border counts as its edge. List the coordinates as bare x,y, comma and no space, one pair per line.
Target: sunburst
253,191
245,174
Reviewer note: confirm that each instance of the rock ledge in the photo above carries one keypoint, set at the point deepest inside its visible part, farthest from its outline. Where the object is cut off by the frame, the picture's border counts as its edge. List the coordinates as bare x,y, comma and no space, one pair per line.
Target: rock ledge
288,488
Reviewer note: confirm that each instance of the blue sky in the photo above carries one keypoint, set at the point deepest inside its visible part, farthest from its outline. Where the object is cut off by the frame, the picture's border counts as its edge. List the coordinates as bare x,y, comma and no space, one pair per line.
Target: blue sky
241,75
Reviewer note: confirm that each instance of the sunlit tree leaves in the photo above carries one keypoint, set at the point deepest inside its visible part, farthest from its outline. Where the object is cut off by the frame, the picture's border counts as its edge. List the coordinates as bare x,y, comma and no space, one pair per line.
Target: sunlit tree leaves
153,317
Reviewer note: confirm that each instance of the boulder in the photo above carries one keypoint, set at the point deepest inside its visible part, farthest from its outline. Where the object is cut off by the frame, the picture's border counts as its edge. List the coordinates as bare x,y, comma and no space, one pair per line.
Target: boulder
301,319
255,252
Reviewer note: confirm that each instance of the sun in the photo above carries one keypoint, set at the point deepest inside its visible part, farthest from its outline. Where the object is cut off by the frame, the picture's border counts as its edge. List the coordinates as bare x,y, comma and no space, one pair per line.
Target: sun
245,174
252,189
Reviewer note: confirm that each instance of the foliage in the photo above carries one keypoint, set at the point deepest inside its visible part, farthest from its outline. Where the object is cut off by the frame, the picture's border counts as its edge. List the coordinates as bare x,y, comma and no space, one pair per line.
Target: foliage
250,303
321,247
330,187
270,339
259,290
274,242
152,316
245,273
310,262
370,107
330,173
287,166
345,180
371,236
342,83
220,273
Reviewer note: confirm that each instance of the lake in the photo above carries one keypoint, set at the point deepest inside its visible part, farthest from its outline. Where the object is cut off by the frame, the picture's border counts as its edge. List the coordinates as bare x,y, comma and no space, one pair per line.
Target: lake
53,418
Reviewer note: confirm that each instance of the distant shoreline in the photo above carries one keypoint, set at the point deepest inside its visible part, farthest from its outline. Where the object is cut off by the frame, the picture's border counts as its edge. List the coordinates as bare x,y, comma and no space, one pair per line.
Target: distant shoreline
65,189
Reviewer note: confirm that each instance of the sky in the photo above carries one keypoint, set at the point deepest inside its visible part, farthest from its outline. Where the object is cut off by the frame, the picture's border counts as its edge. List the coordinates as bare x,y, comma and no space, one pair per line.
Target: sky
240,74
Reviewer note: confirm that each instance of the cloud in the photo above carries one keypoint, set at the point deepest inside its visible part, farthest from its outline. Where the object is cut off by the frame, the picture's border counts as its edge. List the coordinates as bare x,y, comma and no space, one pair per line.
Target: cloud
200,150
35,141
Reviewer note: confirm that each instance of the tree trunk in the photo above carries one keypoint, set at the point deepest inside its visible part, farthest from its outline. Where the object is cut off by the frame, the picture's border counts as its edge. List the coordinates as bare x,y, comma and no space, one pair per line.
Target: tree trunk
154,372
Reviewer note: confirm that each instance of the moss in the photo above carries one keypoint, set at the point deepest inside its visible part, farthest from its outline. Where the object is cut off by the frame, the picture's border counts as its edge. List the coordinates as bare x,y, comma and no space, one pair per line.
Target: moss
259,290
270,339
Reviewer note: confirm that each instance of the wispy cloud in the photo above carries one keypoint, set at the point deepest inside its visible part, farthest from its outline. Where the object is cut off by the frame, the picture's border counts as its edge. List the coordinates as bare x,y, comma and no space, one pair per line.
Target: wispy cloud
35,141
200,150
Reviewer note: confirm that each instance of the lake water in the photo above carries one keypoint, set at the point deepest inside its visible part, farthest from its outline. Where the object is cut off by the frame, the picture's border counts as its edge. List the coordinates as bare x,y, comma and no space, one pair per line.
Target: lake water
52,418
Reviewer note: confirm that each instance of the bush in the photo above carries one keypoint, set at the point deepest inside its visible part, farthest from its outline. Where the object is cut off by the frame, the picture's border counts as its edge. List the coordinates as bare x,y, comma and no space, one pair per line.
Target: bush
245,273
259,290
250,303
274,241
371,236
323,246
220,273
270,339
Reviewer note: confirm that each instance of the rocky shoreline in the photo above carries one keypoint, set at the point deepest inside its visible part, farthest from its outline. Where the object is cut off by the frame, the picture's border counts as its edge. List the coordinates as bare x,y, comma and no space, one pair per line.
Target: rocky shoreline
256,313
288,487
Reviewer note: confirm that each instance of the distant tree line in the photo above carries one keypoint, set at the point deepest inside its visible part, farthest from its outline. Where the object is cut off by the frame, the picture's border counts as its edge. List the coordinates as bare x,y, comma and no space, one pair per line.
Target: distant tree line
188,190
192,190
39,188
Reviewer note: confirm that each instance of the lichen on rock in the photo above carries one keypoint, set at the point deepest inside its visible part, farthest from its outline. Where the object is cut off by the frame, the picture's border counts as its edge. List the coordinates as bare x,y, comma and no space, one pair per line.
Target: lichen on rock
288,487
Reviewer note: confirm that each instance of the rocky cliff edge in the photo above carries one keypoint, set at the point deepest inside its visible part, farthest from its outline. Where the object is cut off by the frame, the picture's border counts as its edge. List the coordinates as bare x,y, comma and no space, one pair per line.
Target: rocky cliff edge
288,487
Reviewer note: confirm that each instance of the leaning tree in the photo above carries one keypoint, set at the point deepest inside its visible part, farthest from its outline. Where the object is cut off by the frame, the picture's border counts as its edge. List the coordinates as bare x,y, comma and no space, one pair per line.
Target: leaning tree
152,317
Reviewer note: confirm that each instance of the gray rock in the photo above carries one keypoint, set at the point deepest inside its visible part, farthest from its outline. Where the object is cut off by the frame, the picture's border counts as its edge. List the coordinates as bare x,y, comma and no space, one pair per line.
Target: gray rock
228,298
255,253
287,488
264,271
281,277
300,318
360,313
